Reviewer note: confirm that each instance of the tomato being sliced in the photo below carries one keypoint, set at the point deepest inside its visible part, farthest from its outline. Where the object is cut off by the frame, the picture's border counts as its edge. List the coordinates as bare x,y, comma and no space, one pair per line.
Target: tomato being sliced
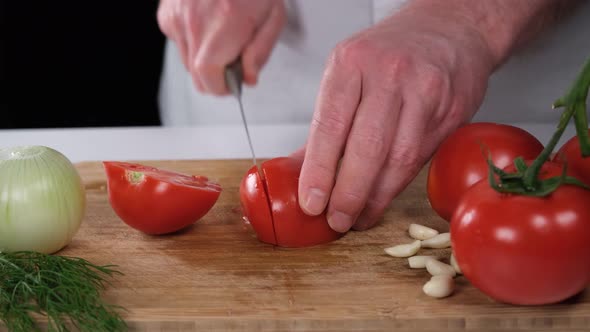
272,207
571,154
521,249
459,162
256,207
157,201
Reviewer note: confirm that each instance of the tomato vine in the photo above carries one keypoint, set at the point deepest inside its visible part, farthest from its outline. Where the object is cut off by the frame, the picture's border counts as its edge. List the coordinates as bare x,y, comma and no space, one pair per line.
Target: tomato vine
525,180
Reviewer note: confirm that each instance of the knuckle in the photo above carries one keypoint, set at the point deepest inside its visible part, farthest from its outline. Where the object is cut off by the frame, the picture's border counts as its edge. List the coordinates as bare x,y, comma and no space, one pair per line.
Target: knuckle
350,51
376,205
199,68
165,20
434,90
455,114
329,121
405,155
368,145
348,201
320,175
435,80
452,111
161,16
226,8
396,64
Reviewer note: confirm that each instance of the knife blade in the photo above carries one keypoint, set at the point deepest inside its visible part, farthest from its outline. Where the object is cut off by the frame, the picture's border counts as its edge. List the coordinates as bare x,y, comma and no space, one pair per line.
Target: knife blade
233,78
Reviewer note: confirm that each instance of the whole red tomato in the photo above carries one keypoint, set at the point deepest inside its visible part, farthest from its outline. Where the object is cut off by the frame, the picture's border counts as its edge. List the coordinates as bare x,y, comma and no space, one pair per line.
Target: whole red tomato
157,201
272,208
459,162
571,154
521,249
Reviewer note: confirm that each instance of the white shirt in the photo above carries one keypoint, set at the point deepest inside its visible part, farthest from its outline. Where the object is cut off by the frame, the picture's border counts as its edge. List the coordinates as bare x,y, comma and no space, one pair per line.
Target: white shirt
521,91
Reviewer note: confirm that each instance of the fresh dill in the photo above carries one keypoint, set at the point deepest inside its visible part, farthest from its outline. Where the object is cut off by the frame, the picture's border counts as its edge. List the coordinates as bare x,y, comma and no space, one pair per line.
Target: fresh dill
64,289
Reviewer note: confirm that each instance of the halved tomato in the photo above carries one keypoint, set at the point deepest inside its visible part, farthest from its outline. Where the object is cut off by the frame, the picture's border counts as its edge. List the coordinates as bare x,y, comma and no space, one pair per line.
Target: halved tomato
271,205
157,201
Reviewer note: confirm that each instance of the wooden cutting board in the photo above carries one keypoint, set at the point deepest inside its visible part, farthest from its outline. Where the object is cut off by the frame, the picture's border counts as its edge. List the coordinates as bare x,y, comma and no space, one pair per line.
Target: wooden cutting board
215,275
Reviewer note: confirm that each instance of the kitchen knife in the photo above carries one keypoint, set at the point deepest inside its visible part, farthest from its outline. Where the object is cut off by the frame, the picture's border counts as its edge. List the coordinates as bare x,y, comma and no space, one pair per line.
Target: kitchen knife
233,78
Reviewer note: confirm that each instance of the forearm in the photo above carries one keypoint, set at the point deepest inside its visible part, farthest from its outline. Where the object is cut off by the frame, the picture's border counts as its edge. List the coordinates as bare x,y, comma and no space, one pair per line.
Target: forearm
504,24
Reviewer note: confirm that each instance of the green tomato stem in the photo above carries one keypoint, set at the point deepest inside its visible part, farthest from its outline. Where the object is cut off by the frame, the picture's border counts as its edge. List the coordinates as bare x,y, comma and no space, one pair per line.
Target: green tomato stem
532,172
575,106
581,121
135,177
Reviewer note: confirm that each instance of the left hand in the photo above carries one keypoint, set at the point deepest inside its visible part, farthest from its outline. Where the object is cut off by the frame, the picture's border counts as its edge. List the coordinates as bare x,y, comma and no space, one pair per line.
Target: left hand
210,34
388,97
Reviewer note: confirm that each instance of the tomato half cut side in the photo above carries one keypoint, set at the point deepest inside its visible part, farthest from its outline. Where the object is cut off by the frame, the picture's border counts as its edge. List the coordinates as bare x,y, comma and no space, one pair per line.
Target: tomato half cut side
157,201
255,206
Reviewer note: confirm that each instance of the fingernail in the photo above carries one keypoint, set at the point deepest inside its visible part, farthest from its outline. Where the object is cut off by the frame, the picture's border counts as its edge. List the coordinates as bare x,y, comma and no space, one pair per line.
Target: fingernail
340,222
315,202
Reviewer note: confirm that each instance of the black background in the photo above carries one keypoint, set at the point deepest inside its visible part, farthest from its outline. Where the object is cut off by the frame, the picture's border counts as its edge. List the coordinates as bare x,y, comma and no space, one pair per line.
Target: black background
79,63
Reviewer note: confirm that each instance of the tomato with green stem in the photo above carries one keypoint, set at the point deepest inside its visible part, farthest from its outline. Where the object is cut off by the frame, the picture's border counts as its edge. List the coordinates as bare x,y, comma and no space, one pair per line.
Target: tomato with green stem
459,163
270,203
157,201
522,249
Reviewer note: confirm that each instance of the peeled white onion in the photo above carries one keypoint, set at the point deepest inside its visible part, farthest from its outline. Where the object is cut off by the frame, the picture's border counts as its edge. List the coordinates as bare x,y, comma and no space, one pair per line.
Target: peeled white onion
42,200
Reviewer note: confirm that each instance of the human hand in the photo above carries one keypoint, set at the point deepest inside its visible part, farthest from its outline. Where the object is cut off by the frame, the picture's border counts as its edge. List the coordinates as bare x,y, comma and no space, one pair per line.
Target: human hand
210,34
388,97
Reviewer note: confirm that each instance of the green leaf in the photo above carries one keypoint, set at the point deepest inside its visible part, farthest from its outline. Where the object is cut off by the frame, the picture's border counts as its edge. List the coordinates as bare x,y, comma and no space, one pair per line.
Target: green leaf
573,181
520,164
546,187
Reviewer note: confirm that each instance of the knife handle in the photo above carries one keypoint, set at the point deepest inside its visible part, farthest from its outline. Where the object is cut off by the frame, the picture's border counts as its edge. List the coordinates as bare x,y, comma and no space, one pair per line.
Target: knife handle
234,76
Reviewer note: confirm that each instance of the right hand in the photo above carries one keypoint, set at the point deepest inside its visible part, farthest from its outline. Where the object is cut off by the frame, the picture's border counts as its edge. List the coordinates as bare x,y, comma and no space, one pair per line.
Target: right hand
210,34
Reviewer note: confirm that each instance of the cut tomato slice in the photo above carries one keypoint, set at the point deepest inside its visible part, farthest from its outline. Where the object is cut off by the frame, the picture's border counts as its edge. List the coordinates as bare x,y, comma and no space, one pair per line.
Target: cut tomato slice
157,201
255,205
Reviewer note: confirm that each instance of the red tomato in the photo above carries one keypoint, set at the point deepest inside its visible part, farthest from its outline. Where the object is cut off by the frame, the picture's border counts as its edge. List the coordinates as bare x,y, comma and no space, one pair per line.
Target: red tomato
271,205
157,201
570,153
524,250
459,161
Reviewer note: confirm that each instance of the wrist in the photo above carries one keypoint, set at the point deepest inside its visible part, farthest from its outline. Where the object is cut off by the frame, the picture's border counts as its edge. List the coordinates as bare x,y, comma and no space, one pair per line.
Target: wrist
502,24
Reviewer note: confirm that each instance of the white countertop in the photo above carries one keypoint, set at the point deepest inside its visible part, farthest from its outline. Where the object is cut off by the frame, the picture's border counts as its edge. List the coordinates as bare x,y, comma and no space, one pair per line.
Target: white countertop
210,142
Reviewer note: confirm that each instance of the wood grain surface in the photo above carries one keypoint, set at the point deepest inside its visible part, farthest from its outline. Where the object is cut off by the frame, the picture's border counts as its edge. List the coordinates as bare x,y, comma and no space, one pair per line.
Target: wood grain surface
215,275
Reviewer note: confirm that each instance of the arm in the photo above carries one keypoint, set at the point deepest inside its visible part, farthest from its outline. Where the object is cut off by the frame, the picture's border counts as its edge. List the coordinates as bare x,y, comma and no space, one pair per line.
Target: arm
505,25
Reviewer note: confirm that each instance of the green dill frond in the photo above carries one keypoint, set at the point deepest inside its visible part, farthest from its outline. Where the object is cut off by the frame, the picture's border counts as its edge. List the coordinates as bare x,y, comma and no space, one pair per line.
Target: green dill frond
64,289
